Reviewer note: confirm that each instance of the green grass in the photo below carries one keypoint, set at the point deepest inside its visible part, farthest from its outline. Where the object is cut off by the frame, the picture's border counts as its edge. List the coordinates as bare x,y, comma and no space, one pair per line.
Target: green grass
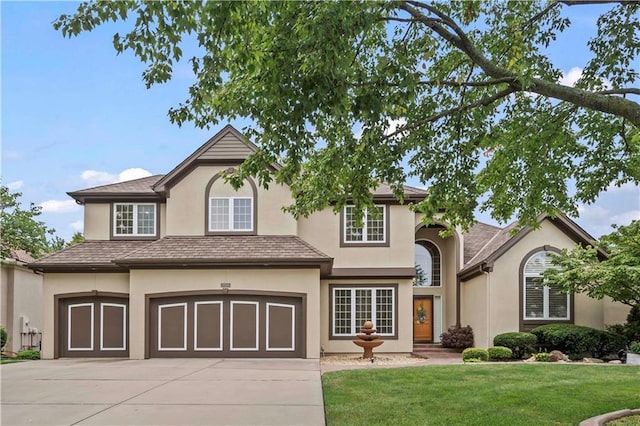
479,394
9,360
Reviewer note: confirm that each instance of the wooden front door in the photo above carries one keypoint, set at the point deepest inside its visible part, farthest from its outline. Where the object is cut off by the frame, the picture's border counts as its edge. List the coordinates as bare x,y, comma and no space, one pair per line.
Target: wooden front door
423,319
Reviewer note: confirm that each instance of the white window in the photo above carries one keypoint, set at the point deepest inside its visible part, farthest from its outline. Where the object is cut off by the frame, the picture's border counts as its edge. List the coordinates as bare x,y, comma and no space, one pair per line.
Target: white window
353,306
134,219
542,301
230,214
373,229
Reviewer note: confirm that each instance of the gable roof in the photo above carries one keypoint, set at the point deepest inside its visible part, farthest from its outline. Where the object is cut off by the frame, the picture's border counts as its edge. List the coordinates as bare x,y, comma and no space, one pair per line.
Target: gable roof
228,147
503,240
384,192
136,188
477,238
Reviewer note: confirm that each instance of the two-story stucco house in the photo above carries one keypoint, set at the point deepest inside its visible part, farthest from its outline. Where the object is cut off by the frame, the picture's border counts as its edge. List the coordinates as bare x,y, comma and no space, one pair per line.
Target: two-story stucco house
183,265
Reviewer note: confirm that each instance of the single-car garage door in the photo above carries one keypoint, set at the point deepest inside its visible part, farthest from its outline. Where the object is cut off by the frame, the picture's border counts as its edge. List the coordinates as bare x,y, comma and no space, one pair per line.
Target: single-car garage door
93,327
226,326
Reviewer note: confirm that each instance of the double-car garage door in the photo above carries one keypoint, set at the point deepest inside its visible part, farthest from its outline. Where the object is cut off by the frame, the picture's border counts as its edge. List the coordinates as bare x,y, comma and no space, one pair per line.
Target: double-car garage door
218,325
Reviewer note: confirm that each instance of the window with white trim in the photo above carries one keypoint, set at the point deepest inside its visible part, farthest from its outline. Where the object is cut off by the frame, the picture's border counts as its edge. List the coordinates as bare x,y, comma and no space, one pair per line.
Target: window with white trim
352,306
373,229
134,219
542,301
230,214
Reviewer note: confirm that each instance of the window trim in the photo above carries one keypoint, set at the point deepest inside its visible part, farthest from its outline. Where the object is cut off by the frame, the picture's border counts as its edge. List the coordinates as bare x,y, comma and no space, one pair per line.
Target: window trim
135,235
231,211
353,287
254,206
343,228
528,324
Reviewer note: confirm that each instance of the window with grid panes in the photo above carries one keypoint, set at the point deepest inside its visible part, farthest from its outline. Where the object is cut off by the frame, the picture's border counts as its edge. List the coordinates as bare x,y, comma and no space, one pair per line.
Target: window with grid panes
353,306
134,219
230,214
541,301
373,229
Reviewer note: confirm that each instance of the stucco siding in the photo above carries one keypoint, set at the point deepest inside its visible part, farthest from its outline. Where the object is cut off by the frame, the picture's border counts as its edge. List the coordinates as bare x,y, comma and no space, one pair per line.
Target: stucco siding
404,315
473,309
322,230
149,282
67,283
614,313
97,221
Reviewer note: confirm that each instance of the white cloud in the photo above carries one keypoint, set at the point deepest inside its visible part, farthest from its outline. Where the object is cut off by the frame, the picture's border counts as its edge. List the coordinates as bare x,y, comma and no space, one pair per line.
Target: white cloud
78,225
59,206
625,218
14,186
574,74
96,177
593,212
625,187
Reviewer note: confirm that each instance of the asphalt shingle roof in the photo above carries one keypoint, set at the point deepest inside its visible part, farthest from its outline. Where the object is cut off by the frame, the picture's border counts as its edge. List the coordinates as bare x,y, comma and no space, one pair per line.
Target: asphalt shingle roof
477,237
89,253
135,186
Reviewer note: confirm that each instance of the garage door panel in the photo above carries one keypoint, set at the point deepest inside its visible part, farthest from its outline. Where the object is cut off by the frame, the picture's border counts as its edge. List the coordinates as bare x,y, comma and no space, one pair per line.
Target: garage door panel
245,326
281,327
208,326
113,331
172,327
80,326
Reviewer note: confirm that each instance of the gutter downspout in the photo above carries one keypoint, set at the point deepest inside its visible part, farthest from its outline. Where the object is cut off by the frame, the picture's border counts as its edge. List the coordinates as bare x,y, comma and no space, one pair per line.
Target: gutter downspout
488,282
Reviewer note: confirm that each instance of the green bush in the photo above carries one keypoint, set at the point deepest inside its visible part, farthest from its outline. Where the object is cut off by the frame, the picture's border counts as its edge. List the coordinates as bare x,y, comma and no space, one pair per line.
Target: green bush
3,337
519,343
457,337
28,354
634,348
499,353
542,357
475,353
631,329
578,341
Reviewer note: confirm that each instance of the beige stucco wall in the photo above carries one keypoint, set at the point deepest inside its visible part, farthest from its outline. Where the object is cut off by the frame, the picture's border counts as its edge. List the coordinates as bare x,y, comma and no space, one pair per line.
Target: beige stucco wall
322,230
614,313
186,204
65,283
21,294
144,282
503,303
473,299
96,221
404,342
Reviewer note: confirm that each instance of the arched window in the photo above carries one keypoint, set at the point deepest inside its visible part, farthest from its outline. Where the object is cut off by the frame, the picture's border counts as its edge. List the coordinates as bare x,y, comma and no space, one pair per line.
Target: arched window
428,267
229,210
542,301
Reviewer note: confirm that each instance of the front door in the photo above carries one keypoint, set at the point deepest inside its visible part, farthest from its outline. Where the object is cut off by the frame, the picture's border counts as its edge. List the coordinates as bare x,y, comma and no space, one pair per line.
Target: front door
423,319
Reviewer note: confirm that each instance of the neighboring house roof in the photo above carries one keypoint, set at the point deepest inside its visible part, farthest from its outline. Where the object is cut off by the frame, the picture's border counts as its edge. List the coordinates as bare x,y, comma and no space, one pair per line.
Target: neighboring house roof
87,255
385,192
232,250
21,256
504,240
477,237
136,188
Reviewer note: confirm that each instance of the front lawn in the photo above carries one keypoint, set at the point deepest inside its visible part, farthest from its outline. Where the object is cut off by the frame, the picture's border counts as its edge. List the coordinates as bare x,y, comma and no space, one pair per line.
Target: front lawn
479,394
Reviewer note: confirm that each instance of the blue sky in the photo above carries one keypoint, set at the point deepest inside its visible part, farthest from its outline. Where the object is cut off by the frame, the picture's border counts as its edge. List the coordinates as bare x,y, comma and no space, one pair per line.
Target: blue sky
76,115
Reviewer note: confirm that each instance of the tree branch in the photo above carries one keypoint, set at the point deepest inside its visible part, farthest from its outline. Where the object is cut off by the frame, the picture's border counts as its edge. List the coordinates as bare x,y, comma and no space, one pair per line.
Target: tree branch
482,102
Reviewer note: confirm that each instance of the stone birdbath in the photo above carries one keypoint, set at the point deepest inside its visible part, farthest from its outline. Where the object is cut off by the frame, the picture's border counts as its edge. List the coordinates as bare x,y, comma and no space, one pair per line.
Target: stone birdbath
368,339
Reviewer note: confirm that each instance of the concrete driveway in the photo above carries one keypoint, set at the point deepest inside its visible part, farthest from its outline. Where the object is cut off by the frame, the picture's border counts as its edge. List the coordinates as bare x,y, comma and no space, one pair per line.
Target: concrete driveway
162,392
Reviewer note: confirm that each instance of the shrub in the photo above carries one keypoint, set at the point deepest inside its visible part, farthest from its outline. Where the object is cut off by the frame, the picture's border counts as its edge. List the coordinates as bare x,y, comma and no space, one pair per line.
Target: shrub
577,341
499,353
634,348
457,337
28,354
542,357
631,329
519,343
475,353
3,337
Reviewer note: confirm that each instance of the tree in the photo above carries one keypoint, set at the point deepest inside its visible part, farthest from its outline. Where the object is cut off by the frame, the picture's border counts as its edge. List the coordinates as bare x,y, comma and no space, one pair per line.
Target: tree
20,229
617,276
460,96
76,238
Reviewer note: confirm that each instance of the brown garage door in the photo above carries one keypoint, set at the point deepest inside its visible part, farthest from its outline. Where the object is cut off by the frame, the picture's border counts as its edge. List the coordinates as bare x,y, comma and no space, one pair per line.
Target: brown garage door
93,327
226,326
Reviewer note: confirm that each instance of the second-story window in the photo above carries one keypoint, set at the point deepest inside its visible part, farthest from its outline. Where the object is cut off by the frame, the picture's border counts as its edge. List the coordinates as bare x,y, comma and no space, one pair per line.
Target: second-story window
373,229
134,219
230,214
